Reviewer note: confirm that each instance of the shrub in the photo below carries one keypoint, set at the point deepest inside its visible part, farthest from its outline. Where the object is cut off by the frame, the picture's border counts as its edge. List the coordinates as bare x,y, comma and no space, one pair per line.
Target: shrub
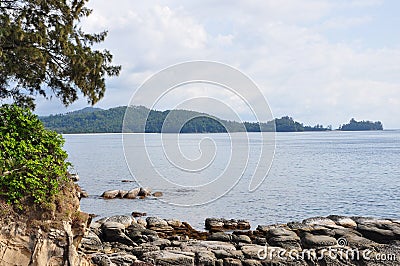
32,162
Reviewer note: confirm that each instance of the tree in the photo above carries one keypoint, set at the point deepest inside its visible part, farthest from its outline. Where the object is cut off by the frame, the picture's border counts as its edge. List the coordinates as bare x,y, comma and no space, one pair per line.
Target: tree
44,51
32,162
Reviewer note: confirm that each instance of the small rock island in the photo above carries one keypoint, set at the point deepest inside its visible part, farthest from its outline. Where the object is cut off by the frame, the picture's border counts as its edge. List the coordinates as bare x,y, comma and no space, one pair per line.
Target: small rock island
354,125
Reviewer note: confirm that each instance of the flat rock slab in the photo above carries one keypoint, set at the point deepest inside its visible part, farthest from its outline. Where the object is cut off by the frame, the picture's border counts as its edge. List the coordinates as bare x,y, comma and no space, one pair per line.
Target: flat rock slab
315,241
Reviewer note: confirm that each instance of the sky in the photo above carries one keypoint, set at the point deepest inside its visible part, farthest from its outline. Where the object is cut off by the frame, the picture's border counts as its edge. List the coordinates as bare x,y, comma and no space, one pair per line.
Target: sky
318,61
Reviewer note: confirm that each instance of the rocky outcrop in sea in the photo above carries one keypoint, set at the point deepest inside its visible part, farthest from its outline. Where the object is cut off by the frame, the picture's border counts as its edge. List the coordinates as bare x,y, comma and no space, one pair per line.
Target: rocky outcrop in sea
333,240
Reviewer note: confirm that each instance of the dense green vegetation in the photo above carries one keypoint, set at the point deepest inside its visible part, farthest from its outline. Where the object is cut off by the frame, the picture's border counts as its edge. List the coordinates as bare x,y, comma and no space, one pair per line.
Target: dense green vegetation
43,50
354,125
95,120
32,162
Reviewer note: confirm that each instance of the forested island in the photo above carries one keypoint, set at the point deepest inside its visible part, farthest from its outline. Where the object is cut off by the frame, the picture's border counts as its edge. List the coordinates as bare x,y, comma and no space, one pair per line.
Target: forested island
96,120
354,125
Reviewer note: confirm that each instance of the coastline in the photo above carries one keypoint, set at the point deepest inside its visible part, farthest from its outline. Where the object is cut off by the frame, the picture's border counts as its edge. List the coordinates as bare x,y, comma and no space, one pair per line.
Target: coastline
334,240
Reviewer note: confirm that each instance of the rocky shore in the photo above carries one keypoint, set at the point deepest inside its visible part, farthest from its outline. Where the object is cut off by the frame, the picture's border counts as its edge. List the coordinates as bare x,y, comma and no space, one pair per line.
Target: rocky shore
333,240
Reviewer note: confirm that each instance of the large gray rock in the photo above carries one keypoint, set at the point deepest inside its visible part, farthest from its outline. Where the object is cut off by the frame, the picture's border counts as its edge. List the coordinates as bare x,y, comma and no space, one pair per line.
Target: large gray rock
232,262
126,220
205,258
155,222
102,260
284,238
122,259
315,241
380,231
110,194
91,243
169,258
133,193
343,221
219,236
115,232
323,221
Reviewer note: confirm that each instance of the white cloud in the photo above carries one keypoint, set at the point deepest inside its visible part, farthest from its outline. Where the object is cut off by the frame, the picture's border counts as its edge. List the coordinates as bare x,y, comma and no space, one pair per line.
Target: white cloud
282,45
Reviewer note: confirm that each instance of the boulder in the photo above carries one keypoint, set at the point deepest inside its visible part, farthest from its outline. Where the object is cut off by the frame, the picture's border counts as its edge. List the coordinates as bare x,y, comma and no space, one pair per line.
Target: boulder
133,193
175,223
122,259
110,194
243,225
315,241
155,222
142,222
126,220
122,193
323,221
115,232
144,192
102,260
205,258
157,194
219,236
232,262
144,248
214,224
241,239
343,221
380,231
139,214
91,243
169,258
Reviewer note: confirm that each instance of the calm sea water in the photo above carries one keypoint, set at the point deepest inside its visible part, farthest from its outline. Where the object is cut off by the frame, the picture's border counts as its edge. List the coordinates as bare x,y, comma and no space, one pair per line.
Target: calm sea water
313,174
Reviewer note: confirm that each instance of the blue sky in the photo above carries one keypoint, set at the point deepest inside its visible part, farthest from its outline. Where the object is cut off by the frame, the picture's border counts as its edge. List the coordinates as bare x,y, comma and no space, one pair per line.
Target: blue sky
318,61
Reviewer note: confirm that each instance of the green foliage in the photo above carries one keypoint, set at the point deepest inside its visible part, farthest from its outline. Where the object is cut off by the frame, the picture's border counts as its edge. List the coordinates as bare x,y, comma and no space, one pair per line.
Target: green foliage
95,120
287,124
354,125
42,46
32,162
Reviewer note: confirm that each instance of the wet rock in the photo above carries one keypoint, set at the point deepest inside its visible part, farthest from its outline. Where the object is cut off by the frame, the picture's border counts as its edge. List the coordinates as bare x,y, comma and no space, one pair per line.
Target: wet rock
314,241
110,194
157,194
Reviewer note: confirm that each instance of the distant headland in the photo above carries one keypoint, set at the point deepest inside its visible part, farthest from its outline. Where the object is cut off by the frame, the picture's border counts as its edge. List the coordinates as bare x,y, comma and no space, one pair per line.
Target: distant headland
97,120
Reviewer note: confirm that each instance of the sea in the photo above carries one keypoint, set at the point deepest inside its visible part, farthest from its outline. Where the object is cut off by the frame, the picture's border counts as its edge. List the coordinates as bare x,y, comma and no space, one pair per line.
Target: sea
310,174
